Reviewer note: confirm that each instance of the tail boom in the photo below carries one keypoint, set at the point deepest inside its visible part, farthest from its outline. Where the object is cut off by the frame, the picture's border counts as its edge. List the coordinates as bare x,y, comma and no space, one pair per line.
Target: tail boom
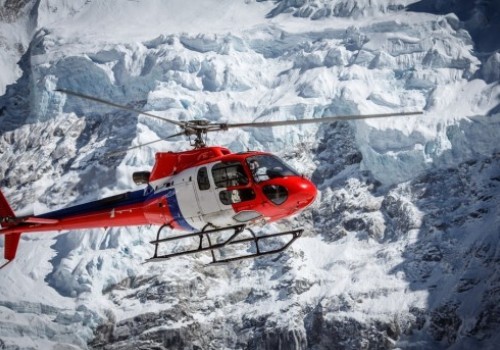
117,211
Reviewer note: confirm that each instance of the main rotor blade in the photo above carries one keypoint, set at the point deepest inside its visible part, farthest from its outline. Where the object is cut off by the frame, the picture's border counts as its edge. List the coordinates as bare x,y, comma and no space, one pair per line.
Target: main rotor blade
114,153
96,99
317,120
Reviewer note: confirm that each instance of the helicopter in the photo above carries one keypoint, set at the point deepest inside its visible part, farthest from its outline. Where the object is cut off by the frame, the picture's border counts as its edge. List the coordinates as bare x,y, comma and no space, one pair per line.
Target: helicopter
201,192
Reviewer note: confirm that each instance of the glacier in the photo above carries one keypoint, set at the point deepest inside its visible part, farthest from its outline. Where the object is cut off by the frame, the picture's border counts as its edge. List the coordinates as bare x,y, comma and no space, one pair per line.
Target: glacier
402,246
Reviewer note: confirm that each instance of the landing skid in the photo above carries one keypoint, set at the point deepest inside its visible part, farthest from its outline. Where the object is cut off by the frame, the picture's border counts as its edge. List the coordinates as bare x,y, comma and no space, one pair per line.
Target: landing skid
234,238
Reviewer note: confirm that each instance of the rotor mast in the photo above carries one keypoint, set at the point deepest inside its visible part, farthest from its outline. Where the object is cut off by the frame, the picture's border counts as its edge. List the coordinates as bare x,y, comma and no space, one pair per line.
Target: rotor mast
199,130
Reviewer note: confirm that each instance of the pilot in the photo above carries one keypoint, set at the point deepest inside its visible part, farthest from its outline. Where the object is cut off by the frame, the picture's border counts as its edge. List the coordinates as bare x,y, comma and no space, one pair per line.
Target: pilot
235,196
254,166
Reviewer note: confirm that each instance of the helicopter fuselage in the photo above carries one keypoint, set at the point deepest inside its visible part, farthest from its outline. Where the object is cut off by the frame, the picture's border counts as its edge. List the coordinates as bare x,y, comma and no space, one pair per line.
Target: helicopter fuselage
188,191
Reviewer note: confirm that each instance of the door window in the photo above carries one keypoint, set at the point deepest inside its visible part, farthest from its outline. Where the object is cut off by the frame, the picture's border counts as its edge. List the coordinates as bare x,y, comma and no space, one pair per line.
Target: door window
203,181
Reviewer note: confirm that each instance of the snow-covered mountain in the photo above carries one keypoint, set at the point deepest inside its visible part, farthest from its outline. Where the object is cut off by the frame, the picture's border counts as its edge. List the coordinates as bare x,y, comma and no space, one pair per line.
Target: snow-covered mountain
402,246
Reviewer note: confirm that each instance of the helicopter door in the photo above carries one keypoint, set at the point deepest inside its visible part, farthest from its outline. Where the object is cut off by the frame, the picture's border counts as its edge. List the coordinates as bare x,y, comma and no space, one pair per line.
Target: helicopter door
207,199
228,175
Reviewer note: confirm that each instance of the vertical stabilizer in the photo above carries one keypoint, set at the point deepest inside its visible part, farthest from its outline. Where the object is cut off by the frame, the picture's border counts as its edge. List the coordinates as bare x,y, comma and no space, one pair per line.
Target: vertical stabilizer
5,210
12,239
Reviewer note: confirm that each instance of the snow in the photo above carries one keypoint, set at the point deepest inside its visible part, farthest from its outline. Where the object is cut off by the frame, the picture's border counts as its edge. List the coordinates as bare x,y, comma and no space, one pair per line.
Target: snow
127,21
407,216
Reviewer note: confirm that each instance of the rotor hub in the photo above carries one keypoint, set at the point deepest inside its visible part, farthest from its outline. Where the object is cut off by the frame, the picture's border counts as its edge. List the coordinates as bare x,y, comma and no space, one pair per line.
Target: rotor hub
199,128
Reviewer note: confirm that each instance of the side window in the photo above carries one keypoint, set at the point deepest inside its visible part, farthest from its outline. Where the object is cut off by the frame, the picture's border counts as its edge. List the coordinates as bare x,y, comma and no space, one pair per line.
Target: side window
236,196
203,182
229,174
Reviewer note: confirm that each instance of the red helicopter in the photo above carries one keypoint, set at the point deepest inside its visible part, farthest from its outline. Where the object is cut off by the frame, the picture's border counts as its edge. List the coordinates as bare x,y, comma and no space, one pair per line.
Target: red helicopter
204,191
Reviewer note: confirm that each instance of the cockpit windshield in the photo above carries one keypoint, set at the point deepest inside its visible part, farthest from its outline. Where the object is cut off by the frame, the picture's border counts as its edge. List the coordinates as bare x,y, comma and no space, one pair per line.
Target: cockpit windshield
265,167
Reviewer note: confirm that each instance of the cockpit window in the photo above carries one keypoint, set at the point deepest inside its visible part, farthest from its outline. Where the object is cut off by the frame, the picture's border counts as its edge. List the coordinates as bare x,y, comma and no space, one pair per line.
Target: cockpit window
228,174
265,167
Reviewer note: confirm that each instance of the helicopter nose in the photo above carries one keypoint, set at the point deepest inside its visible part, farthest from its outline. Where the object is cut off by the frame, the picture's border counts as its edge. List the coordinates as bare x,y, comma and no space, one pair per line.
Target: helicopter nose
302,193
290,194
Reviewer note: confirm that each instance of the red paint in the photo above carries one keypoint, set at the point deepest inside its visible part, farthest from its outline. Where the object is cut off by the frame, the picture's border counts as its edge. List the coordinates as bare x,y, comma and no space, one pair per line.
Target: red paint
171,163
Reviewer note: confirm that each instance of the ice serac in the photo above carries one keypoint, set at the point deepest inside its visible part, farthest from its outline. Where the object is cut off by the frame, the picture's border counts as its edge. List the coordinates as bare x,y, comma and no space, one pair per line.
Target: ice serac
402,246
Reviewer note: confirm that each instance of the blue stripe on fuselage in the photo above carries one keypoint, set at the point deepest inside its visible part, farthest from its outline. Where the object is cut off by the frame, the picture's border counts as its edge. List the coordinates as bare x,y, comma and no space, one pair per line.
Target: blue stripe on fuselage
124,199
175,210
108,203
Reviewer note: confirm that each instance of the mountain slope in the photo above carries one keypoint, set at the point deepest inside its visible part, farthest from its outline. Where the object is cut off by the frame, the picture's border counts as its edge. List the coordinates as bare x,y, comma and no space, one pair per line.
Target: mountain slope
401,247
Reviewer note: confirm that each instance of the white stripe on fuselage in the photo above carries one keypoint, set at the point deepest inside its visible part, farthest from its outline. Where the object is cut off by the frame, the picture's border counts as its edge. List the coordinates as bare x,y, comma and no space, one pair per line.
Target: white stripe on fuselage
198,207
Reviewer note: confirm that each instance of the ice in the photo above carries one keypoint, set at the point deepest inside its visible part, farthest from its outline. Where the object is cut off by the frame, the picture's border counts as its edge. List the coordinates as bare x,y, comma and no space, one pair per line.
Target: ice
400,248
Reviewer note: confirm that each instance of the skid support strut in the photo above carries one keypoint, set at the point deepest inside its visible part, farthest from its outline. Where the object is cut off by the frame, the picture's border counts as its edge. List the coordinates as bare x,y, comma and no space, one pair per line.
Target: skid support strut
233,239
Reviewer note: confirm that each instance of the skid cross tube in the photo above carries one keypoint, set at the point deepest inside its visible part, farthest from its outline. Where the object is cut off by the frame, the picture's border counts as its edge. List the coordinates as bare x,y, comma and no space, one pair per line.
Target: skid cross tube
231,240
